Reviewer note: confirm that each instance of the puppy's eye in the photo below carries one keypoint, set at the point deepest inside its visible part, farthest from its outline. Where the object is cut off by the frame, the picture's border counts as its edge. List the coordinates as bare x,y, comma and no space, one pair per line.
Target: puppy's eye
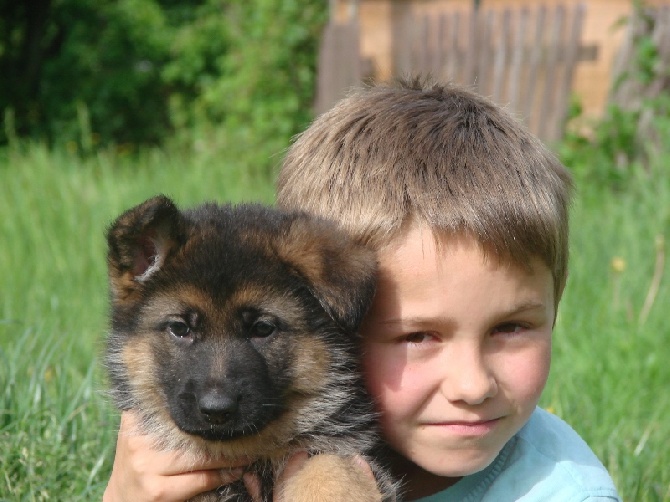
178,329
262,329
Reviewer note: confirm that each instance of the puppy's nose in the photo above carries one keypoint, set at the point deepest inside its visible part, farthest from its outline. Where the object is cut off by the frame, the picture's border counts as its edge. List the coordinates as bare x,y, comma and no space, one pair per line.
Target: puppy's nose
218,407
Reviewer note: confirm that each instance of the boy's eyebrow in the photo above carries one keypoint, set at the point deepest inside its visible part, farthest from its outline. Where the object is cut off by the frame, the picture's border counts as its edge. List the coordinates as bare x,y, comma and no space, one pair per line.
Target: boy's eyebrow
525,307
521,308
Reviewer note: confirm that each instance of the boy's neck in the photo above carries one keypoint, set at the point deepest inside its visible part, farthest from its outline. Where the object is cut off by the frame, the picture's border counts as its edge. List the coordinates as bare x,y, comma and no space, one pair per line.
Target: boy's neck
417,482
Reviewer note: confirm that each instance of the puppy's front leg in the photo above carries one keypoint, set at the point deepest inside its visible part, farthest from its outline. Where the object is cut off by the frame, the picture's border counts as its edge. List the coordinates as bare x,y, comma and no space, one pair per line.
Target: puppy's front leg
331,478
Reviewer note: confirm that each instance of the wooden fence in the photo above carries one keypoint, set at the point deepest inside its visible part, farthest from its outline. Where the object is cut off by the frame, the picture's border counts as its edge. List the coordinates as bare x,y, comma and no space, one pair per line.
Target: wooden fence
340,63
522,58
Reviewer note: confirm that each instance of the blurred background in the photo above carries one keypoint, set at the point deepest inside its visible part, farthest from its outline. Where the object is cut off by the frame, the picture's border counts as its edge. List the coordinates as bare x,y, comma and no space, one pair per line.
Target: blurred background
104,103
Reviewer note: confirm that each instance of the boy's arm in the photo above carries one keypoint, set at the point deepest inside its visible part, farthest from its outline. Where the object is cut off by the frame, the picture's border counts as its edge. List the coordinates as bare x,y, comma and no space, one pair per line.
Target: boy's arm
605,498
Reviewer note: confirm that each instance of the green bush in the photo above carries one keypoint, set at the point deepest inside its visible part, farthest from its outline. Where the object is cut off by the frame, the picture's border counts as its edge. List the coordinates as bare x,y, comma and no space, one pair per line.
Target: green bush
100,56
620,145
257,94
136,71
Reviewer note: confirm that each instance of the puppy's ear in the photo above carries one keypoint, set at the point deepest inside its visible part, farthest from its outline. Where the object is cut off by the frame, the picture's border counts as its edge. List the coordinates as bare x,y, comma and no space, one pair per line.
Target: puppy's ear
139,242
341,273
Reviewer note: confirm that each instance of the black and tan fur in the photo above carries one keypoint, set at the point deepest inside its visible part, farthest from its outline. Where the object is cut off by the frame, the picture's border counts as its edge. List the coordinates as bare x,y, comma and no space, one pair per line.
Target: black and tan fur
234,335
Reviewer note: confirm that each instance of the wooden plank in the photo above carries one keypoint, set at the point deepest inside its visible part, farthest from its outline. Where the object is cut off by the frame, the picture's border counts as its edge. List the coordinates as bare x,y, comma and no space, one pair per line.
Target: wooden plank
484,74
326,66
530,109
559,69
661,39
439,55
471,52
339,63
423,60
434,42
414,32
550,62
409,41
501,58
497,62
400,50
622,88
454,59
516,71
565,85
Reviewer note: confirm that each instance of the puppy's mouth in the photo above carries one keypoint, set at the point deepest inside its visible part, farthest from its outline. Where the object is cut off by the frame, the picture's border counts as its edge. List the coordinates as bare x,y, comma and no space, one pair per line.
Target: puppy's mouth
223,419
218,433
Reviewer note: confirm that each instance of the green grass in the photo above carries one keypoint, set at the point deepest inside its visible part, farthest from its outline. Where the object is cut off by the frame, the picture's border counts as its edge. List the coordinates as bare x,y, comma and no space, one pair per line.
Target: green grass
57,431
610,373
609,378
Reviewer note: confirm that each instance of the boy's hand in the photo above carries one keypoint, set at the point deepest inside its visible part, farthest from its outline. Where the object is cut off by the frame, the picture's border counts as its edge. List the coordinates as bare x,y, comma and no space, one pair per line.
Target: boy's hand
142,473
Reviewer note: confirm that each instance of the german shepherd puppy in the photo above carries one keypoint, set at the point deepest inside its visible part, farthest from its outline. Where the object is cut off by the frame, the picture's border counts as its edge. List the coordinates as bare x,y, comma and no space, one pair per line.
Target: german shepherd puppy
234,335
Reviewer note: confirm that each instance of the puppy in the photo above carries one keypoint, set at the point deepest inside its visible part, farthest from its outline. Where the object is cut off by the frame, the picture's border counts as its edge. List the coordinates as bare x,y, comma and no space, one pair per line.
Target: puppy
234,334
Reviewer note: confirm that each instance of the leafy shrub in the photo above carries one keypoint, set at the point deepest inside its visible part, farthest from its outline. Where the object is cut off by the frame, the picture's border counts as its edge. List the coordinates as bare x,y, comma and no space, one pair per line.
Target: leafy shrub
134,71
101,55
259,92
619,146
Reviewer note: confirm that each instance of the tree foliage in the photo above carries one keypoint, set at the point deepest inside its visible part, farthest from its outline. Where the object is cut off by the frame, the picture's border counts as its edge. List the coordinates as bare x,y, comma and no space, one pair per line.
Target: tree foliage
137,70
623,142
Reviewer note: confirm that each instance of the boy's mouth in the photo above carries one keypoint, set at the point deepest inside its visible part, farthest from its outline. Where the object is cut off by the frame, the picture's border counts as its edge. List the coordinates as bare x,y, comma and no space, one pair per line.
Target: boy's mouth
466,427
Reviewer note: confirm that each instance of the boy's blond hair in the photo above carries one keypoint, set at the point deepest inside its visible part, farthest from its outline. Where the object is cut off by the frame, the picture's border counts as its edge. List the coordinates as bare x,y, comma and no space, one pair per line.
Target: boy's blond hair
439,155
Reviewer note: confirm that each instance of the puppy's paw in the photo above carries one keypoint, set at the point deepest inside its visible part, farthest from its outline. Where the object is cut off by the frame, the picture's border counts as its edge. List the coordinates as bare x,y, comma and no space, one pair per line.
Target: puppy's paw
331,478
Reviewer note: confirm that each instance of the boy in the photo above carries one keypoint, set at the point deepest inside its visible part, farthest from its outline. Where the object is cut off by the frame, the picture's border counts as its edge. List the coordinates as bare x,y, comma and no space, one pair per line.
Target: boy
468,212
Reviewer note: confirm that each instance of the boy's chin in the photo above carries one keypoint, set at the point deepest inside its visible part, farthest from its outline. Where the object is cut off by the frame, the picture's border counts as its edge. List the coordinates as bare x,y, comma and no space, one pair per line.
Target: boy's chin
458,457
463,464
430,474
444,463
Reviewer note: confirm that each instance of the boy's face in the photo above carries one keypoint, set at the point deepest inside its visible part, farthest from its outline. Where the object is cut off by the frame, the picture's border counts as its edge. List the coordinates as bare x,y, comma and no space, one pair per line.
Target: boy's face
457,350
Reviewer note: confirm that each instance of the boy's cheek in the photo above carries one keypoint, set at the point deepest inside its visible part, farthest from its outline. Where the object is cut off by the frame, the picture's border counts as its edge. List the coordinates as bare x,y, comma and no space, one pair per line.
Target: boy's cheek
524,375
390,378
375,368
384,364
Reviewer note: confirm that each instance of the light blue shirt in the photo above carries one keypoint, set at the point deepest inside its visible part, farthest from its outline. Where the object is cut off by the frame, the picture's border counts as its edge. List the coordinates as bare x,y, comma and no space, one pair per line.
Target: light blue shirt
546,461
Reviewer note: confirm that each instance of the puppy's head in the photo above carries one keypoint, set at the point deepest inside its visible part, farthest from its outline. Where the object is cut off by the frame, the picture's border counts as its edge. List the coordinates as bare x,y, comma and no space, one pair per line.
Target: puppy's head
227,322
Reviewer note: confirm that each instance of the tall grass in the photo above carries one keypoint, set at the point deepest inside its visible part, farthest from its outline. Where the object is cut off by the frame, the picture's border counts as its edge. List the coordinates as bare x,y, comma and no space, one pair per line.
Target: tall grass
609,378
610,373
56,429
54,209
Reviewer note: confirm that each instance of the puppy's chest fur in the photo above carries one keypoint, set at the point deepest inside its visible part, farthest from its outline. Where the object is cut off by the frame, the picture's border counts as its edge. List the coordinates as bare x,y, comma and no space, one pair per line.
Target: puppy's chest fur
234,334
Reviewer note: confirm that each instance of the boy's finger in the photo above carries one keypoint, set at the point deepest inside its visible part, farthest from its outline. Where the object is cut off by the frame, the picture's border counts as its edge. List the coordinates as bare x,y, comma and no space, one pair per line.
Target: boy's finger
294,464
253,486
362,463
187,485
228,476
166,488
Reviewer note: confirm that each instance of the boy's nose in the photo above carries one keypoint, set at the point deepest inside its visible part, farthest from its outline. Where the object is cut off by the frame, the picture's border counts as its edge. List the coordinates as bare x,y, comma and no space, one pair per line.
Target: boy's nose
468,377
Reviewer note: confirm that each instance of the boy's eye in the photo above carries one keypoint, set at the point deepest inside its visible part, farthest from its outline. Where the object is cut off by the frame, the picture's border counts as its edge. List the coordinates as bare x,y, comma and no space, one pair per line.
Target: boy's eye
416,338
509,328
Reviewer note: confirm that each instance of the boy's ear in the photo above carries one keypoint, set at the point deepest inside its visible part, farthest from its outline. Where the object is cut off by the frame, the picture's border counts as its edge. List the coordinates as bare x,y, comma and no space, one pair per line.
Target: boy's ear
341,273
139,242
